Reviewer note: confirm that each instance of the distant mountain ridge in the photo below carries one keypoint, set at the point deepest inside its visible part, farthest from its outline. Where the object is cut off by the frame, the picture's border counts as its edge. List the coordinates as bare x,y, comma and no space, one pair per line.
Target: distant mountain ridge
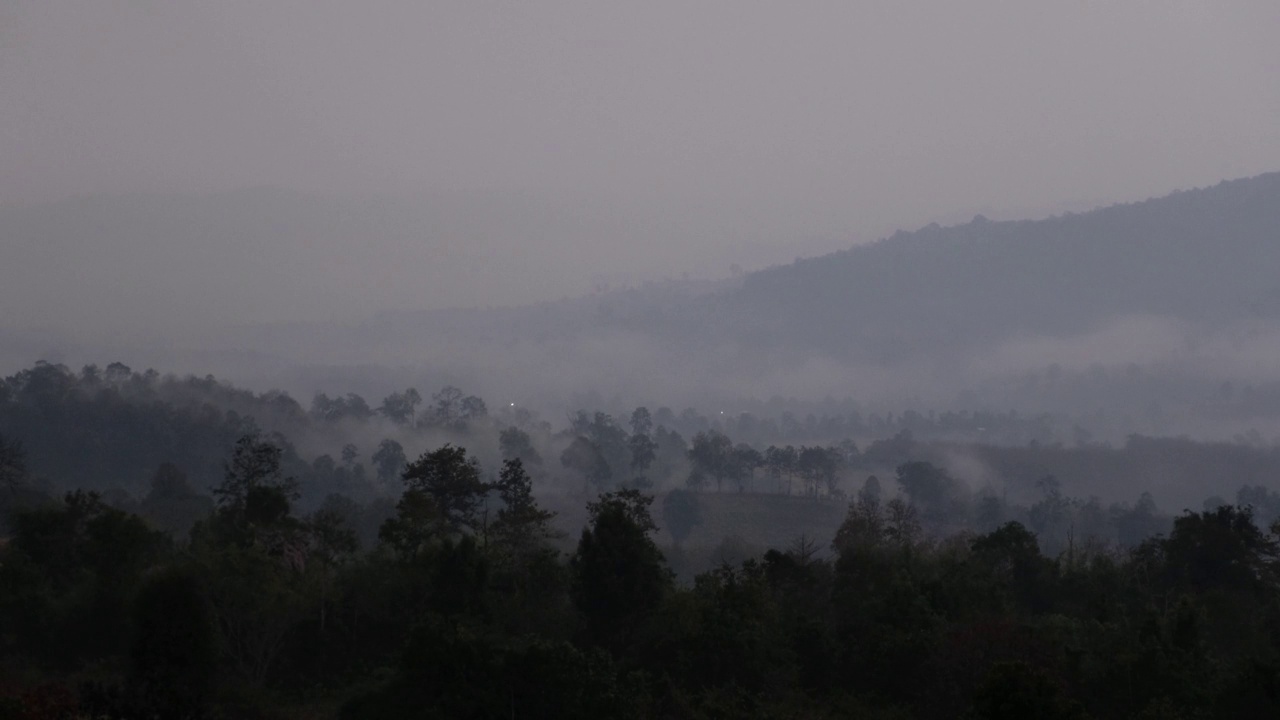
1199,256
1018,314
1207,255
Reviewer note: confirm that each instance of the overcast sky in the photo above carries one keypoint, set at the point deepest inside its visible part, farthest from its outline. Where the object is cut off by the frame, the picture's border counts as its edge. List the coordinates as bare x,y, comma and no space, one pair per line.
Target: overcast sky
756,123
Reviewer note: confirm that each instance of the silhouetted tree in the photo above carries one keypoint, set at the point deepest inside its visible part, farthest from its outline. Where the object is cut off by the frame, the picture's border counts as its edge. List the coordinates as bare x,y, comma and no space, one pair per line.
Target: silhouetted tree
452,481
619,578
389,460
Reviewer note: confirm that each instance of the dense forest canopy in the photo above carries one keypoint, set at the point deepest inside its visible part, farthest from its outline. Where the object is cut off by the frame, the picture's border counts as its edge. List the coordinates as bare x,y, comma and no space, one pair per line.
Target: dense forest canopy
685,361
605,568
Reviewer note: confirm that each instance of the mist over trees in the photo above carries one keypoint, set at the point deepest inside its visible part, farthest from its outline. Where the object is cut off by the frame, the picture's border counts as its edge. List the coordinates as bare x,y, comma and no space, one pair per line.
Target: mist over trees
673,361
1156,317
429,550
924,597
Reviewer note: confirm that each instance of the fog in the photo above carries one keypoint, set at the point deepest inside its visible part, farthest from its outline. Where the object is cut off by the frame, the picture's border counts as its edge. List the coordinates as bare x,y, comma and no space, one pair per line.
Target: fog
605,143
890,358
304,197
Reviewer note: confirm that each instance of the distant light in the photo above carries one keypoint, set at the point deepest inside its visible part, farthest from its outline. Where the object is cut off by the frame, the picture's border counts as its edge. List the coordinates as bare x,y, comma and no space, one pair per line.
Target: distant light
513,404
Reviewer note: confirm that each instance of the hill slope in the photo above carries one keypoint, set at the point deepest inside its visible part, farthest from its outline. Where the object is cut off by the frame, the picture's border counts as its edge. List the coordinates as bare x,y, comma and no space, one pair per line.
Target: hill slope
1203,255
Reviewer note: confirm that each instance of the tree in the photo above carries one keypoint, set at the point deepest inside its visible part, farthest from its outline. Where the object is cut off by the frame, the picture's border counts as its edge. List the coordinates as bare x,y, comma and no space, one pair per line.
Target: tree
401,407
711,454
619,576
13,466
473,408
417,524
818,467
330,543
82,533
254,465
257,599
671,455
902,523
643,451
585,458
90,555
389,459
1133,525
17,492
745,461
1010,555
255,498
641,421
515,444
448,405
1221,548
1049,515
643,447
454,410
252,554
930,489
609,440
869,495
452,481
863,525
781,465
352,406
521,525
350,453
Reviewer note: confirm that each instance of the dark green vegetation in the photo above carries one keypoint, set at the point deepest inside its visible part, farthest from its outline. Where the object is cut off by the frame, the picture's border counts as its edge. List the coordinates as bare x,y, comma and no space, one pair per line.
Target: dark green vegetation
242,580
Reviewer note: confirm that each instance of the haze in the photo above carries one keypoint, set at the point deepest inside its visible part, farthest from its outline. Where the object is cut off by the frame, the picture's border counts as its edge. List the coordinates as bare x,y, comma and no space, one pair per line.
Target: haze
617,143
247,188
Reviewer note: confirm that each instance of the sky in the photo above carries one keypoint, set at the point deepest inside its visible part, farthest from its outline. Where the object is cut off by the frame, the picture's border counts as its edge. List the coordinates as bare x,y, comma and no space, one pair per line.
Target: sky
660,138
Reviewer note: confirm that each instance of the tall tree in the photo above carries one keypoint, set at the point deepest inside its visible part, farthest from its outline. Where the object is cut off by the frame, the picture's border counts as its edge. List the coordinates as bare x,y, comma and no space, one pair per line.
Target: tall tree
515,444
585,458
401,407
711,455
452,481
255,498
619,575
521,525
781,465
389,459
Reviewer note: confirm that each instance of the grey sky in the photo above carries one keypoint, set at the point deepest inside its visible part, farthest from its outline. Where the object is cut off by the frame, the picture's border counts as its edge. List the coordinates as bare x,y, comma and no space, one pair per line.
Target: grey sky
709,130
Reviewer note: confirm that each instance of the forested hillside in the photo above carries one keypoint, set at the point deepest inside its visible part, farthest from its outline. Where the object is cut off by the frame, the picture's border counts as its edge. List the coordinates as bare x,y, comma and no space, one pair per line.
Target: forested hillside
1157,317
1199,256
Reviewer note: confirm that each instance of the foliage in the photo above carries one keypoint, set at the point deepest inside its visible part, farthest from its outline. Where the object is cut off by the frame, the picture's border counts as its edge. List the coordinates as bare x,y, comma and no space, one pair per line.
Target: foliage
451,481
619,578
929,601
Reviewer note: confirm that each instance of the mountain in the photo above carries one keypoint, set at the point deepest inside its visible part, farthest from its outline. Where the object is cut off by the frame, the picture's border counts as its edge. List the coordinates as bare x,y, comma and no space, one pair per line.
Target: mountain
1200,256
1164,315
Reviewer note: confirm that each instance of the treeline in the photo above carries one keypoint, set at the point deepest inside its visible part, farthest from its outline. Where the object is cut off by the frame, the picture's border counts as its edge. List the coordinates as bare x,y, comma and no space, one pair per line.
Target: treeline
109,430
462,607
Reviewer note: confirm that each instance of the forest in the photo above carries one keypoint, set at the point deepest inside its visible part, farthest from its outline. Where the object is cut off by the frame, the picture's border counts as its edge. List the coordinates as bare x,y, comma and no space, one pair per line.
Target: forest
684,361
176,547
